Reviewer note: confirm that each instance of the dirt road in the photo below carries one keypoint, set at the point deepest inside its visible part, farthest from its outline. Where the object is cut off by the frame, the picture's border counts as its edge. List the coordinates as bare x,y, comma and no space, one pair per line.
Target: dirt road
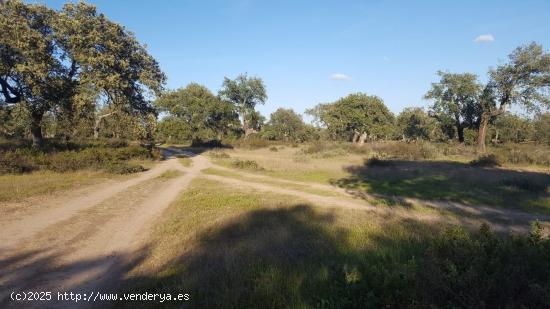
88,240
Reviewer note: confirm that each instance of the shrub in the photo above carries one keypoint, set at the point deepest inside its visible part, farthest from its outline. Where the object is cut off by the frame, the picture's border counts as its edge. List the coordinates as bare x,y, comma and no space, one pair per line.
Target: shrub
489,160
246,164
115,143
316,147
524,154
406,151
485,270
219,155
14,162
273,148
253,141
124,168
377,162
93,157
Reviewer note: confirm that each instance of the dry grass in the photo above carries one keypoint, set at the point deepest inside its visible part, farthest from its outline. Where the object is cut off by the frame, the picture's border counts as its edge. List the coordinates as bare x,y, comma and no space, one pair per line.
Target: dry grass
291,163
274,182
19,187
171,174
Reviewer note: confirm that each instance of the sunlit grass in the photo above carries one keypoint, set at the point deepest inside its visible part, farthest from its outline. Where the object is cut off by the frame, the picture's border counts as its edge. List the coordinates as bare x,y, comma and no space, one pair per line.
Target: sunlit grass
18,187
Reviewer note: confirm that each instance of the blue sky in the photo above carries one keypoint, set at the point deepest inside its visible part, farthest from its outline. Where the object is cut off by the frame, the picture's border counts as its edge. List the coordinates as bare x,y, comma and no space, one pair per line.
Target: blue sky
387,48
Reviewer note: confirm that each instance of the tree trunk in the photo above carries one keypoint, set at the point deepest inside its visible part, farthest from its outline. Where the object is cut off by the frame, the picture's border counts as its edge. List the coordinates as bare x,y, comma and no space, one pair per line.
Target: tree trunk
355,137
97,125
36,131
482,132
495,140
460,131
362,138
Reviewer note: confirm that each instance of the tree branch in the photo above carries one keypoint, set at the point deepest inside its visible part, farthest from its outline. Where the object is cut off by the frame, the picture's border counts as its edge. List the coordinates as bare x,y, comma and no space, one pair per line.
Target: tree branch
6,89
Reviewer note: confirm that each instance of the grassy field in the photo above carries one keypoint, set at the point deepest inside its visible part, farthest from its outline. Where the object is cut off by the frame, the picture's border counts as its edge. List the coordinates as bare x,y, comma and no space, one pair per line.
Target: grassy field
20,187
231,248
427,174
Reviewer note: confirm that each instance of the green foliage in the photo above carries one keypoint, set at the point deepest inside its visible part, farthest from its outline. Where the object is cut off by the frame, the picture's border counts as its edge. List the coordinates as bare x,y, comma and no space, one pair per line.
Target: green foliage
51,57
216,154
254,141
285,125
405,151
455,99
92,157
523,80
194,113
542,129
488,160
357,112
527,154
510,128
124,168
414,123
245,93
246,164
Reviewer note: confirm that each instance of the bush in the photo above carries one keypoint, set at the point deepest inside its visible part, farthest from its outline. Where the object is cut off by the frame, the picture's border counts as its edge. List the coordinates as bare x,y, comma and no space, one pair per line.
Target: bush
115,143
94,157
219,155
273,148
377,162
246,164
489,160
524,154
253,141
405,151
484,270
15,163
124,168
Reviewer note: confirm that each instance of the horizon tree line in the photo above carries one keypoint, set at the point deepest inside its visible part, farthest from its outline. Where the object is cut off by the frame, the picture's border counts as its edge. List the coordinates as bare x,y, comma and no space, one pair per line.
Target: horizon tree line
73,73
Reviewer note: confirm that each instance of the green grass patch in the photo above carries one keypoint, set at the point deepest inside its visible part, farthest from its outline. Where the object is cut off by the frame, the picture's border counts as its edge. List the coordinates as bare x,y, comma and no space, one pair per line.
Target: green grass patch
434,180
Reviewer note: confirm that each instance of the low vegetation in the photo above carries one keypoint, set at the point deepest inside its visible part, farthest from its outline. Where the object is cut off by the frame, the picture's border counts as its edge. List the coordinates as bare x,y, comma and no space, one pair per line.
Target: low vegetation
16,188
73,157
230,248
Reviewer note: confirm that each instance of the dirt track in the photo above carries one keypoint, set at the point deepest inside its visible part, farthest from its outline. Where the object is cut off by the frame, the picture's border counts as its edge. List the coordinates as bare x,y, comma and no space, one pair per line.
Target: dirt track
88,240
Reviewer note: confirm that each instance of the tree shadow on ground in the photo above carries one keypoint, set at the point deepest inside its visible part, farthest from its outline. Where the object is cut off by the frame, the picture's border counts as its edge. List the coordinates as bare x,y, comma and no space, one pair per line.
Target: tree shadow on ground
44,270
298,258
449,181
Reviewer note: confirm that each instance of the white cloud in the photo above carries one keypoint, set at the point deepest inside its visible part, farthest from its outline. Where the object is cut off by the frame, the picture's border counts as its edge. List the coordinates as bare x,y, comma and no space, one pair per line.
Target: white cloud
484,38
340,76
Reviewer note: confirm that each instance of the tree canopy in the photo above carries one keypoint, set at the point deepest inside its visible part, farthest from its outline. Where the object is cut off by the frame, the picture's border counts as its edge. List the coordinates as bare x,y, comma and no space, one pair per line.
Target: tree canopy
353,115
50,57
456,100
245,93
196,113
415,123
286,125
524,80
